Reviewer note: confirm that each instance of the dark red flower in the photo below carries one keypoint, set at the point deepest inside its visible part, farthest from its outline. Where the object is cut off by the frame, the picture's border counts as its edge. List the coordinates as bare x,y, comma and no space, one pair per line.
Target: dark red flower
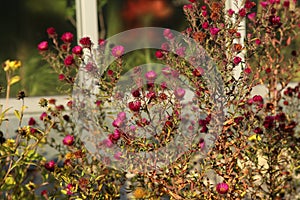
85,42
134,106
51,32
31,121
50,166
242,12
69,60
159,54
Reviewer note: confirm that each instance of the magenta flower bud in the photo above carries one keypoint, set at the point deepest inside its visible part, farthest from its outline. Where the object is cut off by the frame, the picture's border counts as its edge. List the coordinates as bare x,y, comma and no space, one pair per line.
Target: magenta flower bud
179,93
117,123
51,32
201,144
168,34
134,106
252,16
43,46
257,41
264,4
165,46
43,116
31,121
204,13
117,51
68,140
159,54
101,42
247,70
214,30
230,12
151,75
50,166
122,115
237,60
205,25
67,37
61,77
222,188
77,50
116,135
286,3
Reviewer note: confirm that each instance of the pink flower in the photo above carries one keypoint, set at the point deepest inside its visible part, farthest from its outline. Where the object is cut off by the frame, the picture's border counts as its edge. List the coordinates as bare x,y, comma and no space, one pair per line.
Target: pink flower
50,166
43,46
69,60
77,50
122,115
31,121
199,71
69,189
230,12
134,106
166,71
192,1
101,42
67,37
252,16
151,75
116,135
117,122
222,188
242,12
159,54
168,34
108,143
214,30
201,144
68,140
117,51
180,51
204,13
165,46
248,70
203,7
264,4
85,42
188,7
237,60
118,155
179,93
205,25
51,32
61,77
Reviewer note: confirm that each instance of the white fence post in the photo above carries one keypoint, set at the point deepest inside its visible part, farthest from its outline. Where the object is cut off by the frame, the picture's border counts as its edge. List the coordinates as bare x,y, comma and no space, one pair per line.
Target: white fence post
236,5
87,19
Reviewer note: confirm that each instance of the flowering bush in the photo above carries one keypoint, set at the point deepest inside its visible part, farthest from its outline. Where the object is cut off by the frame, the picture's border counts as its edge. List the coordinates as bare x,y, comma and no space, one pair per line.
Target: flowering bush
127,114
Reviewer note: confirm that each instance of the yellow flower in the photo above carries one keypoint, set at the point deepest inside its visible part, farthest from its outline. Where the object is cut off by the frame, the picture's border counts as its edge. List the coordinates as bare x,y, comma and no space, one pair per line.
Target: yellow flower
9,143
139,193
254,137
69,155
12,65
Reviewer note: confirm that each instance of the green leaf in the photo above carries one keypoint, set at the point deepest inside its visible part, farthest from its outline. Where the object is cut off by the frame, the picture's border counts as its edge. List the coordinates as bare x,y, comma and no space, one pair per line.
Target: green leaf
17,114
14,80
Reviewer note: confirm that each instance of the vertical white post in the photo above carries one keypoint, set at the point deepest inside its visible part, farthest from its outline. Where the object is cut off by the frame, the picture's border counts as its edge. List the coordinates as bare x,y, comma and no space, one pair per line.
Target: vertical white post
236,5
87,19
